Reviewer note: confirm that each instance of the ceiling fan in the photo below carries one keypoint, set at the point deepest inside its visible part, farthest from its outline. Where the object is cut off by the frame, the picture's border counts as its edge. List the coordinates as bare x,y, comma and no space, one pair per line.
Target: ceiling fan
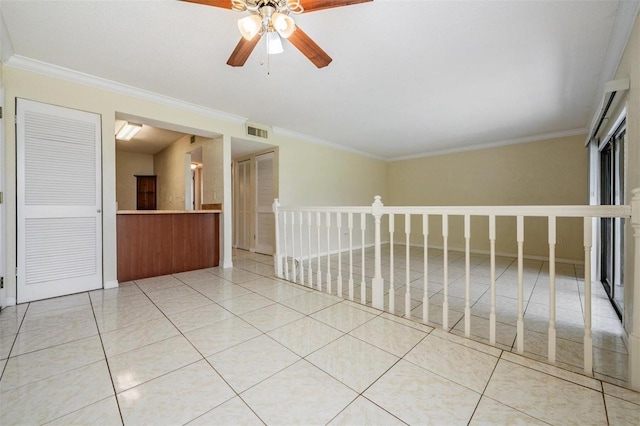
272,17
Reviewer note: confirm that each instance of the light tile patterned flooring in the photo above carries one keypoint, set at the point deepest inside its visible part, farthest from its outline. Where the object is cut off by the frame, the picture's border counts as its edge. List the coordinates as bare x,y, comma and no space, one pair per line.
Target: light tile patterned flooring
609,352
235,347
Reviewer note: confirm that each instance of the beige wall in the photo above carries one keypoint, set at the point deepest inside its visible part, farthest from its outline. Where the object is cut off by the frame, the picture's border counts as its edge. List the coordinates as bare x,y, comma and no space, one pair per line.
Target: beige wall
630,68
309,173
169,165
212,170
320,175
128,165
548,172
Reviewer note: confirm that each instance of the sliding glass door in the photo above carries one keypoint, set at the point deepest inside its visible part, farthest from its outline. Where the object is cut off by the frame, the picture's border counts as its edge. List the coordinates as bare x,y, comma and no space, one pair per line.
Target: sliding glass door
612,230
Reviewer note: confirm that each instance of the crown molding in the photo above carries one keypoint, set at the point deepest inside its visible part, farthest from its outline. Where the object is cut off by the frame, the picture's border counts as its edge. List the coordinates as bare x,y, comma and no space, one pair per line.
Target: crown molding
515,141
51,70
312,139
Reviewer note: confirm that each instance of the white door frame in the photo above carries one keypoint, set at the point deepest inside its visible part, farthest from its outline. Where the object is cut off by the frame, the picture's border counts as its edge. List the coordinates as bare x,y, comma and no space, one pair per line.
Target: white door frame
3,256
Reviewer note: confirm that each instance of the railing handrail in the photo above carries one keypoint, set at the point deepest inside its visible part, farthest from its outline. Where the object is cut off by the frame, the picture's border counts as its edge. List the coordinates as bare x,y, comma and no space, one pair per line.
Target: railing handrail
621,211
326,209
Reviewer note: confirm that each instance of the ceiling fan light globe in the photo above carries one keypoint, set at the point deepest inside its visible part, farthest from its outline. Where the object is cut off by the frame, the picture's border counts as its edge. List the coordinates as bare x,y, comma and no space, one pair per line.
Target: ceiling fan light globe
274,44
249,26
283,24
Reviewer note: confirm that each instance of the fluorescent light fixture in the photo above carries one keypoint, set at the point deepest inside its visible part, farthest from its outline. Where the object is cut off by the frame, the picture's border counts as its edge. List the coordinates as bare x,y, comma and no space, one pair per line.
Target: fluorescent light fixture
128,131
274,44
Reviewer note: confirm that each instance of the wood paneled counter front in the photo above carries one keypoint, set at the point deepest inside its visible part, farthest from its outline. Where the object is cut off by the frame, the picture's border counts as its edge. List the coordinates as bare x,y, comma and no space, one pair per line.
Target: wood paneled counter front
161,242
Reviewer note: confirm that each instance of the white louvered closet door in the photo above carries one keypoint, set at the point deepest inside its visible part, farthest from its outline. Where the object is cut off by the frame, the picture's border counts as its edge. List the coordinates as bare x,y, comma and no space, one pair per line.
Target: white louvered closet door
244,206
265,221
58,202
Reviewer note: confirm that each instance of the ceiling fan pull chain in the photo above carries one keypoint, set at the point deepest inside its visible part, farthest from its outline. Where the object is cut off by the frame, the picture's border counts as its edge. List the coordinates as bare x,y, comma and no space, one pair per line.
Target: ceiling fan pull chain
268,57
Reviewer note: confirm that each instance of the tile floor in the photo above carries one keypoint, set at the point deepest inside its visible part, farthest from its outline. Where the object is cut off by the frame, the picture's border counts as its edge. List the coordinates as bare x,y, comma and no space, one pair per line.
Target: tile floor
231,347
610,352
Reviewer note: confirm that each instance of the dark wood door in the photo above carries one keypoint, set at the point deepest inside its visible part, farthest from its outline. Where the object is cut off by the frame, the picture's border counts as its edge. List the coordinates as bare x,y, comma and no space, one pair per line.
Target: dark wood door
146,193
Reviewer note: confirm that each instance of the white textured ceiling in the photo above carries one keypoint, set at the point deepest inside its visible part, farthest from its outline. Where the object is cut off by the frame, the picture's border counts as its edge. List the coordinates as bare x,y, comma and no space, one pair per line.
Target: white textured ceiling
407,77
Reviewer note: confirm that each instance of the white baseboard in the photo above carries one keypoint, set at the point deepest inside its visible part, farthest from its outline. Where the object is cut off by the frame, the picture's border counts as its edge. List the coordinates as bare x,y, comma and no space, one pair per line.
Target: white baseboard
460,250
11,301
110,284
331,252
504,254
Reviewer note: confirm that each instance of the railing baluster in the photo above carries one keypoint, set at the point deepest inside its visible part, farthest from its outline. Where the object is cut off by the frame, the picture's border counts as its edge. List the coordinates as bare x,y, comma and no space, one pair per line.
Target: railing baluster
407,280
301,255
425,297
588,341
309,256
363,284
350,217
520,323
492,313
392,290
467,274
276,206
552,289
445,272
328,252
318,261
339,226
286,252
294,274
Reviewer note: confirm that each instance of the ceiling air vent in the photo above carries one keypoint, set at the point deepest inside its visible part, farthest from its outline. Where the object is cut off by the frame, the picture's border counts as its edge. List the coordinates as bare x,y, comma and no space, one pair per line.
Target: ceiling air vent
255,131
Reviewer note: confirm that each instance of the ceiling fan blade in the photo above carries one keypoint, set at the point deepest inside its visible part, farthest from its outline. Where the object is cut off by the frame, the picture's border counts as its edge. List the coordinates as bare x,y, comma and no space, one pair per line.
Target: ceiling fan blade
242,51
313,5
309,48
225,4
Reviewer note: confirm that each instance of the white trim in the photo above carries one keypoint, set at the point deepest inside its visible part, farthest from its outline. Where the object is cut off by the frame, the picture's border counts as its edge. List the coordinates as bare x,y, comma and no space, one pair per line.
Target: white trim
305,258
11,301
503,254
312,139
40,67
515,141
226,225
110,284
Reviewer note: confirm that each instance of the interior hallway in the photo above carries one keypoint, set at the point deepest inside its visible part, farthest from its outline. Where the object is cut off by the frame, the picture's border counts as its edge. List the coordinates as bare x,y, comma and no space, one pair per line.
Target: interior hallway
236,347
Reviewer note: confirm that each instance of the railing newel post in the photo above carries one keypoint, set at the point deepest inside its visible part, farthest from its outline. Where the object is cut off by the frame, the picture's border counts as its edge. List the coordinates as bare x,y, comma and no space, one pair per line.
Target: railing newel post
377,284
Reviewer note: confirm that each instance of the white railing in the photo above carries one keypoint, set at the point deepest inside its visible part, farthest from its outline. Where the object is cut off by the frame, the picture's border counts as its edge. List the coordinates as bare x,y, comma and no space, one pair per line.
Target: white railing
300,261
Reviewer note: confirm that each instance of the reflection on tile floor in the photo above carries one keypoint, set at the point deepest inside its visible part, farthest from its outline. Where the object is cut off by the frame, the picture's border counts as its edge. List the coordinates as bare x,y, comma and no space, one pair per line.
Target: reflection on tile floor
239,347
